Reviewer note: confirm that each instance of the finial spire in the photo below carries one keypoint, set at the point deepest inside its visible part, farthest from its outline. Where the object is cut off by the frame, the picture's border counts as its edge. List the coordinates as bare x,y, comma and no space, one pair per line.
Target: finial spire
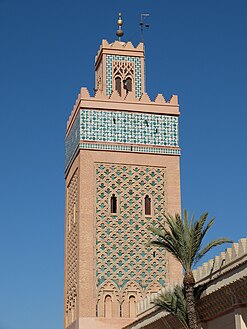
119,32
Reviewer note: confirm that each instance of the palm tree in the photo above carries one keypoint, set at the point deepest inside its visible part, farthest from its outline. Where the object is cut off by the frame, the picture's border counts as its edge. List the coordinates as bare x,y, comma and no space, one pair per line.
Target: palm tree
174,301
183,238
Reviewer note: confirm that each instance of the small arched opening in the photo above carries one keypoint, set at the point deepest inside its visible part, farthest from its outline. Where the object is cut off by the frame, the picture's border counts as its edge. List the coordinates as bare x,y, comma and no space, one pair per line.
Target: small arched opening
132,307
113,204
128,84
118,85
147,205
108,307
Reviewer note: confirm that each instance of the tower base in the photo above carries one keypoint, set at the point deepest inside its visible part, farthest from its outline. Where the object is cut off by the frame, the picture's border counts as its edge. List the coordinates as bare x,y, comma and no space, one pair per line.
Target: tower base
100,323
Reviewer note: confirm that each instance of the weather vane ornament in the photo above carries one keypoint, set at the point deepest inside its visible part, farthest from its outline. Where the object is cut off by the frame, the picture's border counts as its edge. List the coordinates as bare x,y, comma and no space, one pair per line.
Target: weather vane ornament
119,32
143,25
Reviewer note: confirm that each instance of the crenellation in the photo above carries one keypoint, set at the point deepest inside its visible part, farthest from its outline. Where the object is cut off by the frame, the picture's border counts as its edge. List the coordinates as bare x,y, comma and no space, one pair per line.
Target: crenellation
242,246
217,263
84,96
235,250
204,269
159,99
130,97
84,93
119,45
144,98
226,258
210,264
140,46
99,94
228,255
115,96
222,258
173,100
128,45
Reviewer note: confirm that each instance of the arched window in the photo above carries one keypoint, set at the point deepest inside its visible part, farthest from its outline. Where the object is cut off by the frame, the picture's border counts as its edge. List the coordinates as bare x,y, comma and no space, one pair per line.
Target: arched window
132,307
113,204
128,83
108,307
147,205
118,85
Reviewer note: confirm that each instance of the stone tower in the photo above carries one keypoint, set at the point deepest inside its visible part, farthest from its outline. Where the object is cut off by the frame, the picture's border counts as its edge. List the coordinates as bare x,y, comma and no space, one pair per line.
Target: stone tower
122,173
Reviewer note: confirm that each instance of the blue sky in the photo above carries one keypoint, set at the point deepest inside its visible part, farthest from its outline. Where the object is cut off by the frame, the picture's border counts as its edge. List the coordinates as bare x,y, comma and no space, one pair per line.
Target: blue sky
196,49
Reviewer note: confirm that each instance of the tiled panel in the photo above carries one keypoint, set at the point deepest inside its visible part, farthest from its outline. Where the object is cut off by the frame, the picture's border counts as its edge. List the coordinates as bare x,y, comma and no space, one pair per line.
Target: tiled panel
123,128
138,81
127,148
72,141
133,128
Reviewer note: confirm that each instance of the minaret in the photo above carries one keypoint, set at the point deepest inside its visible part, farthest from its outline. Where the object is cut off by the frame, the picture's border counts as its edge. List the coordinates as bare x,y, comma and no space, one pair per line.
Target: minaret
122,174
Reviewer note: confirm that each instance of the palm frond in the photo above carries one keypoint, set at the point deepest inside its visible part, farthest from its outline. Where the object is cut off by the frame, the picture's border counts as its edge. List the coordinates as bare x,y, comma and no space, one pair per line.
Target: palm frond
167,240
209,246
196,234
183,237
173,301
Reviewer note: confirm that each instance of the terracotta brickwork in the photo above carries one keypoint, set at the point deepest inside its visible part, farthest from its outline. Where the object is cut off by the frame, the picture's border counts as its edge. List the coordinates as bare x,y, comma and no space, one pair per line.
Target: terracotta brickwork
71,253
122,174
90,307
125,266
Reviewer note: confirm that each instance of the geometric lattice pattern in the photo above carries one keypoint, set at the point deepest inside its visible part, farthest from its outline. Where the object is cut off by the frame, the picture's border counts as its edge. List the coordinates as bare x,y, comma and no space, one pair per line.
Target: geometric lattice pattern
123,127
122,255
71,246
99,77
124,70
72,141
127,148
109,74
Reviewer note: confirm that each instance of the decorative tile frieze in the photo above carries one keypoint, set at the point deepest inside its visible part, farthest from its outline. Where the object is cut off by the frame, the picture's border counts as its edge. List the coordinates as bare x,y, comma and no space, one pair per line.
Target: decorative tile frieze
120,127
129,127
72,141
128,148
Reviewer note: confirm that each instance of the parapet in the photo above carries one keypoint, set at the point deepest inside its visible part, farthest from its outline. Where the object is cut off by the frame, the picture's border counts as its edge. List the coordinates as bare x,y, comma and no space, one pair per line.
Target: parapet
147,305
119,46
125,102
222,263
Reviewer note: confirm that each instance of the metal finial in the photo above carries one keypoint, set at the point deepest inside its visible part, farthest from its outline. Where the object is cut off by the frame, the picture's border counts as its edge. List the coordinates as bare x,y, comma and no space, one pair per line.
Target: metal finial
119,32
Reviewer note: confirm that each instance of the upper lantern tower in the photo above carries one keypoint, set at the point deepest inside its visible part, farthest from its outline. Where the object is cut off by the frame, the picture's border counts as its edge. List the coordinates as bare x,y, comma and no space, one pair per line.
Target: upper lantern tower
120,66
